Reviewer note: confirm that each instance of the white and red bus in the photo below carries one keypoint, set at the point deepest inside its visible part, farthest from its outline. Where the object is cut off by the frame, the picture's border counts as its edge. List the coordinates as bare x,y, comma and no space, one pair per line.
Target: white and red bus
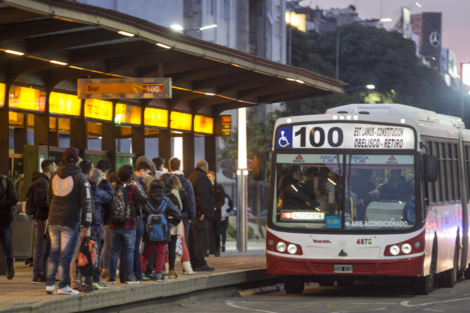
369,191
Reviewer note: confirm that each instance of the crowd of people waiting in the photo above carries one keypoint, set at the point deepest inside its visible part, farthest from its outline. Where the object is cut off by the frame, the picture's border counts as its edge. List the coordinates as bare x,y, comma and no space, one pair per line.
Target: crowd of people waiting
114,212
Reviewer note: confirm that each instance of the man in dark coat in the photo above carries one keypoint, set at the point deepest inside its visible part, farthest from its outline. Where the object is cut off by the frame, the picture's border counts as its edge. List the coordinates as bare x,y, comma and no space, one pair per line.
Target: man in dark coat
219,200
198,238
39,200
8,200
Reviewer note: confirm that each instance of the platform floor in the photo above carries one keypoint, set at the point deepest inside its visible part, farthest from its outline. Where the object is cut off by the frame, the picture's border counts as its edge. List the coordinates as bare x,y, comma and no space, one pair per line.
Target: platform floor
20,292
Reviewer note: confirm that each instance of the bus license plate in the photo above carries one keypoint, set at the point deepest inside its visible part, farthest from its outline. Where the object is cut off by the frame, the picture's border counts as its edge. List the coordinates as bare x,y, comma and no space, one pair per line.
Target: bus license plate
308,216
342,268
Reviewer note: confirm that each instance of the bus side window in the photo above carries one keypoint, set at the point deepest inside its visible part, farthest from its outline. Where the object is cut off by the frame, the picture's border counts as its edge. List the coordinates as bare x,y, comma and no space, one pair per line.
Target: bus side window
467,168
455,171
431,193
442,172
449,172
437,184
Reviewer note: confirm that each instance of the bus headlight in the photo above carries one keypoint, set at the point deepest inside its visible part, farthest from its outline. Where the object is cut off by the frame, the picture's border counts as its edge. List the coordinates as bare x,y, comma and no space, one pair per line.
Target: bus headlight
394,250
292,249
406,248
281,246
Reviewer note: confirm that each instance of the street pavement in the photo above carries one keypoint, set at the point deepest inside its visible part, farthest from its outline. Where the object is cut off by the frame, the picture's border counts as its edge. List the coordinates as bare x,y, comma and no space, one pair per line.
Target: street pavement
362,297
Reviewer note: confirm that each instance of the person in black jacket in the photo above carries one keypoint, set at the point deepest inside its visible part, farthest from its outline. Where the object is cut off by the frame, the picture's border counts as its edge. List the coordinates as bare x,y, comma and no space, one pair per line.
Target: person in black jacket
70,206
8,200
41,247
219,199
198,237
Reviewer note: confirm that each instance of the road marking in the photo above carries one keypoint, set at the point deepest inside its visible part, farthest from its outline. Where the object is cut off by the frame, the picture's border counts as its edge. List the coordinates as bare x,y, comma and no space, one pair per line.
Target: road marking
378,309
405,303
433,310
231,304
376,303
461,299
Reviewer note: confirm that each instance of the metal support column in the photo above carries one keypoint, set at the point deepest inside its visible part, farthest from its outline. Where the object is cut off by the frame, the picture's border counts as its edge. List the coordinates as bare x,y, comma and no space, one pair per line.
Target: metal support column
21,136
242,174
108,143
138,140
210,152
41,130
188,153
164,145
54,135
79,132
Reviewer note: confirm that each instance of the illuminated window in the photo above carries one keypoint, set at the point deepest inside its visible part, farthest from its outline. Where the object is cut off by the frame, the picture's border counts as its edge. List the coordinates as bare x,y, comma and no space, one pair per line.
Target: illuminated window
61,103
99,109
2,94
26,98
128,114
181,121
203,124
156,117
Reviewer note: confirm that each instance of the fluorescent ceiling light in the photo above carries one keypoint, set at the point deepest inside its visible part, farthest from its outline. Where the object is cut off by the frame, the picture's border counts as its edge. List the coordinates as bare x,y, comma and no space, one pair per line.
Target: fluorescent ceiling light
58,62
299,81
163,46
126,33
176,132
209,94
208,26
418,5
370,87
291,79
384,20
14,52
177,27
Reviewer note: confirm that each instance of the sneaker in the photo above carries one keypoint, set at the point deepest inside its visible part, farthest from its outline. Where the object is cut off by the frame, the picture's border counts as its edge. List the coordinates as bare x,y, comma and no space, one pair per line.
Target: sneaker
145,278
112,281
104,274
217,254
150,276
67,291
205,268
159,278
51,290
11,270
223,248
132,280
100,285
84,289
39,280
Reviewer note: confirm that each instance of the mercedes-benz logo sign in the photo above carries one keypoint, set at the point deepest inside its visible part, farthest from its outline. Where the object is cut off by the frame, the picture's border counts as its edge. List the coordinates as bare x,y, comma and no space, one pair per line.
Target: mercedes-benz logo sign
435,39
343,242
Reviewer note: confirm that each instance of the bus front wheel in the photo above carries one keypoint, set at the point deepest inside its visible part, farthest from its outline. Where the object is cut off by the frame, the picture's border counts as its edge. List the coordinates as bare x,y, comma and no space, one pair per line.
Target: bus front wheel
294,284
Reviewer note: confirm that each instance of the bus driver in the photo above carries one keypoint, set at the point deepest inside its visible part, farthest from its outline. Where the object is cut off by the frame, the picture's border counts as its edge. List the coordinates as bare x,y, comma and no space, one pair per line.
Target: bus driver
396,189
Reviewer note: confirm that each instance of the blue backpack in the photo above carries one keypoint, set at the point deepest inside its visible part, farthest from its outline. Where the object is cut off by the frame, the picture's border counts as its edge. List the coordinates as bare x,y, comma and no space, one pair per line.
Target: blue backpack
157,224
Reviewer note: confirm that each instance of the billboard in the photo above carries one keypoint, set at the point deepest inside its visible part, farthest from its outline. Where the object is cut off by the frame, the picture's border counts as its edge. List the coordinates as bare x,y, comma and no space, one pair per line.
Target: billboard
452,64
406,22
444,66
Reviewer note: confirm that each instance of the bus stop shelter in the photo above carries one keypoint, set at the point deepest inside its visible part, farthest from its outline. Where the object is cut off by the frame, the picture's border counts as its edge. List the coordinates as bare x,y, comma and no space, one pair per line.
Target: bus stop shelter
45,46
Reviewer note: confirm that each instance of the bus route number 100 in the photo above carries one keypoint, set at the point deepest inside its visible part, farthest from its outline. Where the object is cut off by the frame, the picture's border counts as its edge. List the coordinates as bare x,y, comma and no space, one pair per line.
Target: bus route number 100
152,88
317,136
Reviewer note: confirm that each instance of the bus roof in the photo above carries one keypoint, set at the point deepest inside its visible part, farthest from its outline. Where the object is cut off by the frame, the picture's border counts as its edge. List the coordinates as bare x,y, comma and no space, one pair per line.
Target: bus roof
398,111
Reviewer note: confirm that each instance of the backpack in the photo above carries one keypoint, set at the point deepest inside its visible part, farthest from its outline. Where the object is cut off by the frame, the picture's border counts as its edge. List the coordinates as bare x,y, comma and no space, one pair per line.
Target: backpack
87,257
29,207
157,224
120,208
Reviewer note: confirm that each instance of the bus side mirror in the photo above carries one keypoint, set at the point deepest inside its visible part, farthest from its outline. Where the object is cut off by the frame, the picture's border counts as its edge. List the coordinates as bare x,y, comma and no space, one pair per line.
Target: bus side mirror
259,166
431,168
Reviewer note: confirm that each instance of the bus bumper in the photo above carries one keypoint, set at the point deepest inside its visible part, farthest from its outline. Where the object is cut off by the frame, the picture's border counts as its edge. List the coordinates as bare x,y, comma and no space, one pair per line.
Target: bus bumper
295,266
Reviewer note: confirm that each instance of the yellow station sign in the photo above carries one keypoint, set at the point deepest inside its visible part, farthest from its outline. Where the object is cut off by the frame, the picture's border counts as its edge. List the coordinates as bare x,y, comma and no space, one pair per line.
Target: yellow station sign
124,88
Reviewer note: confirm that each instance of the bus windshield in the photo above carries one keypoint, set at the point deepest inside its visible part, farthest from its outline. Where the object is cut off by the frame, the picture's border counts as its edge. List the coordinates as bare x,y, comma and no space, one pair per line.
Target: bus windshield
344,192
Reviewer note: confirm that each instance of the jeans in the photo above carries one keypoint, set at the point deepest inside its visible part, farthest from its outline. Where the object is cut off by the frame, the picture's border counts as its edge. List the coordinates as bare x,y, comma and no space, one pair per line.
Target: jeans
223,230
215,229
122,239
64,240
149,249
186,225
97,276
139,233
42,250
5,240
106,251
198,240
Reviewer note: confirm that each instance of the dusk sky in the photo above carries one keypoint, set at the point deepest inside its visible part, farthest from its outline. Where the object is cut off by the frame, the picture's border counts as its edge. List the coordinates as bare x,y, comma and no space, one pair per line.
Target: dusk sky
455,17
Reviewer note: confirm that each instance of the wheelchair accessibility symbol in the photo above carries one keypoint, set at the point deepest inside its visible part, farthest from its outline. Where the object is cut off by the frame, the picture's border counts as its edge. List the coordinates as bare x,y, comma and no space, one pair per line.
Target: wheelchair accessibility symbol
283,142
